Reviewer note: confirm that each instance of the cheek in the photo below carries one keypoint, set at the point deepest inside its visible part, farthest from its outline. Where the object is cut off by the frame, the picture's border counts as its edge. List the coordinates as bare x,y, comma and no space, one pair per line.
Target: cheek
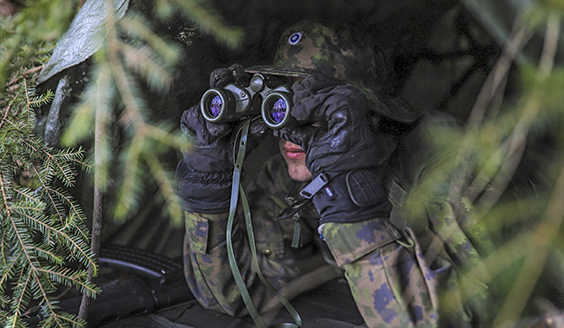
281,146
298,171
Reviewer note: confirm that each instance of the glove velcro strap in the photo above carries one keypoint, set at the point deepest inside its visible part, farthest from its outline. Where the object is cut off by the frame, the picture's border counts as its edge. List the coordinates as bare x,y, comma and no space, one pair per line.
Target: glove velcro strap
351,197
364,188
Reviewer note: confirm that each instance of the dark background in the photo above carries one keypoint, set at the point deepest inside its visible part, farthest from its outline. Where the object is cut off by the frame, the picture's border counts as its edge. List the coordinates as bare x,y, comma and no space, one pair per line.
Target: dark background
440,50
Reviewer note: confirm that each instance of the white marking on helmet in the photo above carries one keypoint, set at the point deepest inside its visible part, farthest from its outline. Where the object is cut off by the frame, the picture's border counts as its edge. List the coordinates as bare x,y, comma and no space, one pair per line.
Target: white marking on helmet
295,38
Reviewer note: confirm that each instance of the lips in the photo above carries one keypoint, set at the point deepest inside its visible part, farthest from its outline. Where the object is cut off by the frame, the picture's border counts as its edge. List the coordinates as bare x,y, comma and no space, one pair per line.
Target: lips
294,152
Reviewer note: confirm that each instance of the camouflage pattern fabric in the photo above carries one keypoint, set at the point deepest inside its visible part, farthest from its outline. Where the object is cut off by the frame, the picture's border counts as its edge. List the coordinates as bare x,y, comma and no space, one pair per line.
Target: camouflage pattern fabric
464,242
309,48
289,270
449,230
393,284
398,277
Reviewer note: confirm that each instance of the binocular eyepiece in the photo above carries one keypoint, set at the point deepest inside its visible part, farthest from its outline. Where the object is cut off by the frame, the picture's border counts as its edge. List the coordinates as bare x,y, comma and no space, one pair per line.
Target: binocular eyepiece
235,102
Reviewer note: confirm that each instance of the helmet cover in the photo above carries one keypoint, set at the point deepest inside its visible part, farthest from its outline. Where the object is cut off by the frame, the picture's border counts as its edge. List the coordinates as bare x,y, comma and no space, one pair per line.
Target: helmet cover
310,47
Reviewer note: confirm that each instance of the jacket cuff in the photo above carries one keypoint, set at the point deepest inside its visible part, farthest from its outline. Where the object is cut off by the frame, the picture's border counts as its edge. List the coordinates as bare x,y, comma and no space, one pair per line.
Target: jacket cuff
351,241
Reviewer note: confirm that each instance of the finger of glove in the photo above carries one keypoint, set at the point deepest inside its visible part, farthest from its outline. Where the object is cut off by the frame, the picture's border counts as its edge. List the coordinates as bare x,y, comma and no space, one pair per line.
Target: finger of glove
300,135
310,95
340,131
257,133
330,147
339,110
258,129
330,110
346,134
240,76
221,77
346,146
346,115
205,133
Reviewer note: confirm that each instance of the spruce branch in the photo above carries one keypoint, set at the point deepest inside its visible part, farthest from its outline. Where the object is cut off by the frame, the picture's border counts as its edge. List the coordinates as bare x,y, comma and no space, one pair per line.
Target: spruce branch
165,185
481,167
207,19
121,67
42,226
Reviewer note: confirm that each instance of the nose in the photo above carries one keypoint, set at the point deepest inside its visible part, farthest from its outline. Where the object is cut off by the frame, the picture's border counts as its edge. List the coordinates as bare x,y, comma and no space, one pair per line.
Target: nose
288,144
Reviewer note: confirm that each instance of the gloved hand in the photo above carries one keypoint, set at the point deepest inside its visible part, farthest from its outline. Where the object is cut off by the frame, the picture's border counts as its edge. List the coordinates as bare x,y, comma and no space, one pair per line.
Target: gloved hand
206,170
221,77
342,147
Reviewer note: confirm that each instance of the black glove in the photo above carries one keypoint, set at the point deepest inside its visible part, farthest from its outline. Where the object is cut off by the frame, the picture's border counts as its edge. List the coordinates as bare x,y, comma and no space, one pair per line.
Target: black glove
235,73
206,170
341,147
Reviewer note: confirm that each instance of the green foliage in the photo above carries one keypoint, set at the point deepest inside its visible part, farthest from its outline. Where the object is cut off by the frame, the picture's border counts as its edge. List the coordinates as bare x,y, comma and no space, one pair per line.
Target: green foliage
204,15
131,60
507,165
42,228
132,57
42,20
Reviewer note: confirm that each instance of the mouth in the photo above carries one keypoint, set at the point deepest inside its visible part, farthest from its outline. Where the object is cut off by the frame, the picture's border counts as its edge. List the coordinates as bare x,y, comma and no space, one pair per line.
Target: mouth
294,153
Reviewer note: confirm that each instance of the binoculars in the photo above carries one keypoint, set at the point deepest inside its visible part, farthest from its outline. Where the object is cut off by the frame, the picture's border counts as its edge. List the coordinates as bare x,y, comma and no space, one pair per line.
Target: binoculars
266,95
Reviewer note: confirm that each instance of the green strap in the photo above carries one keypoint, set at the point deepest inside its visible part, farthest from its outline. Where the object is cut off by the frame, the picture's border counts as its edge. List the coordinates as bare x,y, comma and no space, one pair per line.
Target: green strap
235,189
296,239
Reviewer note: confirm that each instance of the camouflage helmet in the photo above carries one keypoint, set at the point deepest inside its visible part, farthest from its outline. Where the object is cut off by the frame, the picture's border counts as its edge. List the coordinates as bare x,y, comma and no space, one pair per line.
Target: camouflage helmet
309,47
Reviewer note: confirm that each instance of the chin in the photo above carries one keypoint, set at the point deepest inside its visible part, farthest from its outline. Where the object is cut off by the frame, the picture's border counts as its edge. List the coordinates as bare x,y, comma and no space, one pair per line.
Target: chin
300,175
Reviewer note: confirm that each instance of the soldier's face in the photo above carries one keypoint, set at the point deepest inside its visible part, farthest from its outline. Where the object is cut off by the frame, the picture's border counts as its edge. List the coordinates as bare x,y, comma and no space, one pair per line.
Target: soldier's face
295,157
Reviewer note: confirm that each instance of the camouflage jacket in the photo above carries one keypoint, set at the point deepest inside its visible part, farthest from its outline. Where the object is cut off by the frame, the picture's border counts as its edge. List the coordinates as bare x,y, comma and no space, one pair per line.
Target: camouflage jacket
388,272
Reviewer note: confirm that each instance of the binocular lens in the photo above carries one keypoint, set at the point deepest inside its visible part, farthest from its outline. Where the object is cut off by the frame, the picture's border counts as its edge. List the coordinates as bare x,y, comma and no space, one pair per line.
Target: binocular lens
278,110
236,102
215,104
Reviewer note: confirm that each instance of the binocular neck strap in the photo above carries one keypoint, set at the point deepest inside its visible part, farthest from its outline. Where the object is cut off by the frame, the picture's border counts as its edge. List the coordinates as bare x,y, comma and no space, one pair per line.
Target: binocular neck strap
235,190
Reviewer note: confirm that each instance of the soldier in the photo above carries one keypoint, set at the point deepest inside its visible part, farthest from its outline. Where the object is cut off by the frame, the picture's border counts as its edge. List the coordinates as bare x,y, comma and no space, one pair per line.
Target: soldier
342,160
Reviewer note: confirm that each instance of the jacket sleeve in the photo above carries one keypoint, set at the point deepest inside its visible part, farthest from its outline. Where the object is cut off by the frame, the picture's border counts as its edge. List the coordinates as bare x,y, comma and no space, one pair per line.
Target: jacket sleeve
388,282
207,268
394,281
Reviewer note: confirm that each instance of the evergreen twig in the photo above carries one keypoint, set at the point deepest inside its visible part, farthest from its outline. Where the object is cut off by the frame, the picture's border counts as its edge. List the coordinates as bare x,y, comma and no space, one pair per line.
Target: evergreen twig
43,228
